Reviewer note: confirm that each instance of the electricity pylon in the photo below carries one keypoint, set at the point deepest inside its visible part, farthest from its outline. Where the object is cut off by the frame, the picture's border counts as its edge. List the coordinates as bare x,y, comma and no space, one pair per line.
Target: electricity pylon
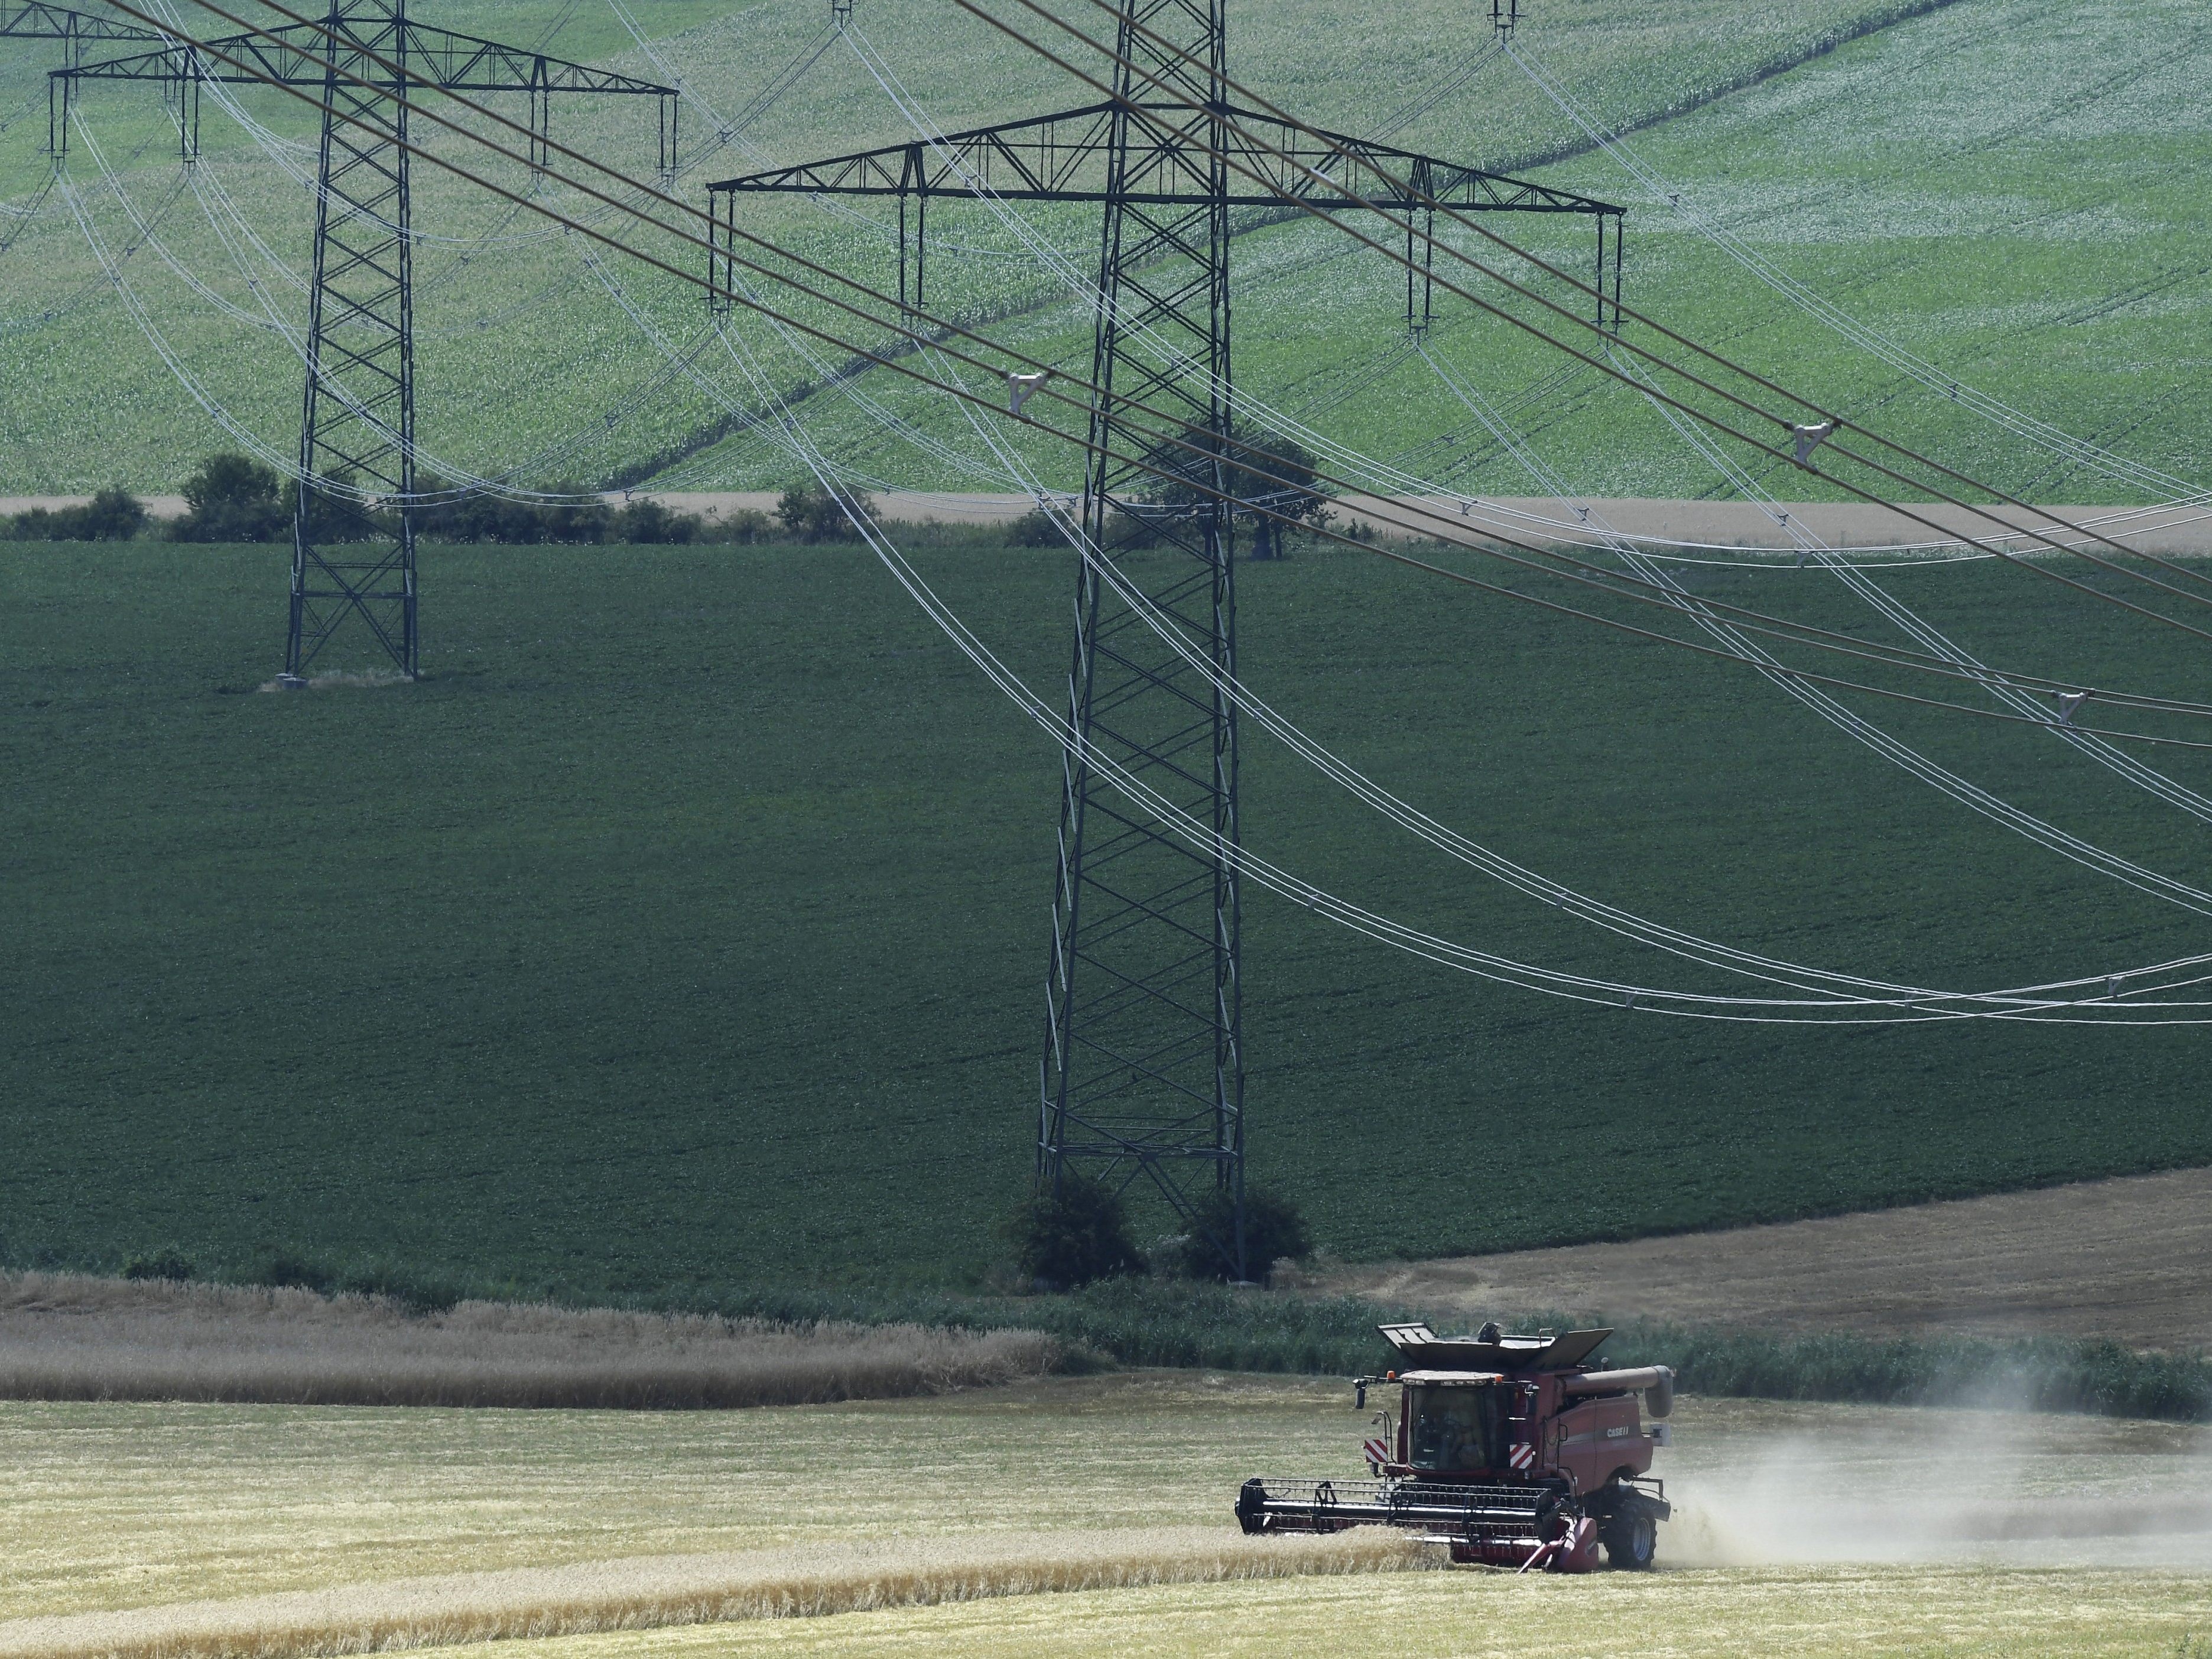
353,532
1143,1072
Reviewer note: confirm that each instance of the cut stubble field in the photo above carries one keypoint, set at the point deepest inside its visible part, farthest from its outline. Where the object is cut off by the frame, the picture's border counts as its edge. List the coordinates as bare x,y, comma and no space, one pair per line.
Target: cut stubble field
72,1337
1084,1515
2126,1260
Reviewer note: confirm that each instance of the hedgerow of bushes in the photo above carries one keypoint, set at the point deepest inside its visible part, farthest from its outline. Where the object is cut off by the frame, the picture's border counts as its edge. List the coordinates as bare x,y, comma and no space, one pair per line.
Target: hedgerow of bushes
1144,1321
1150,1322
234,498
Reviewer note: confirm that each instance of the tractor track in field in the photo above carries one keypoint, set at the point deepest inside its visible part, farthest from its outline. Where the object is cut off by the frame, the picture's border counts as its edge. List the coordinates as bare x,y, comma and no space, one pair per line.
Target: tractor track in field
2127,1260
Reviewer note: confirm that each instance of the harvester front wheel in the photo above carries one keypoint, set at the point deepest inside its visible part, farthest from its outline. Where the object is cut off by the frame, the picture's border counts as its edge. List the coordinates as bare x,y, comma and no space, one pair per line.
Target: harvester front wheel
1630,1538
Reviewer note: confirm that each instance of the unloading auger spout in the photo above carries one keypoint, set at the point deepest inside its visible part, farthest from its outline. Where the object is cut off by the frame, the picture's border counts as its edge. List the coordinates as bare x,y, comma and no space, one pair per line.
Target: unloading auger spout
1516,1452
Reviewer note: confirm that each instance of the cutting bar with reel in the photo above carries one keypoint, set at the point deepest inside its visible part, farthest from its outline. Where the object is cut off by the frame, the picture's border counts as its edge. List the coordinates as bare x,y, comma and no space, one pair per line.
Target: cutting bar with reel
1511,1516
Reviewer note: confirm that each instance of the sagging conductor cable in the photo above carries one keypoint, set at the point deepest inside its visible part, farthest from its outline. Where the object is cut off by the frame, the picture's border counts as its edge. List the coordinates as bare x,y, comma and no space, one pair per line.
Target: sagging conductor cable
1825,706
2081,450
1625,923
1148,463
1057,262
1894,749
1260,470
1389,475
1485,964
1174,51
1895,611
1189,135
651,259
1590,575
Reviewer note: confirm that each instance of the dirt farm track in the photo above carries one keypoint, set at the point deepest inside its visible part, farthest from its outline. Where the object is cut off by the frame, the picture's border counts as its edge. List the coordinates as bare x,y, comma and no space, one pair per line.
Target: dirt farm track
2129,1260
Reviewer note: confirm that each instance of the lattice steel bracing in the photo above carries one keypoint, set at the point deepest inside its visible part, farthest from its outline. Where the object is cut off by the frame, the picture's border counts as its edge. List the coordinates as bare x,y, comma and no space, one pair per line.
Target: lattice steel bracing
1144,1068
1143,1071
357,420
354,559
31,20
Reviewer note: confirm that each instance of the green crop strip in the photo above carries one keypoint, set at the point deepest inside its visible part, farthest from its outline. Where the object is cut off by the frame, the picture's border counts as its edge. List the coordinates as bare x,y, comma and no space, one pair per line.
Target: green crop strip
680,934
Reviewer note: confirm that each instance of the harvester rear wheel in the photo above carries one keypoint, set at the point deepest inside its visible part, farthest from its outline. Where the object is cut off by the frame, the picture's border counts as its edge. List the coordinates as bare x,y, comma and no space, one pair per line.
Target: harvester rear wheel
1630,1538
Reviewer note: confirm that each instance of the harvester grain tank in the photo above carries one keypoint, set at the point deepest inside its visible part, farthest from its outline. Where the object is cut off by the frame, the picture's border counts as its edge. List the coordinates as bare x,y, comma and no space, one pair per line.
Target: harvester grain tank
1517,1451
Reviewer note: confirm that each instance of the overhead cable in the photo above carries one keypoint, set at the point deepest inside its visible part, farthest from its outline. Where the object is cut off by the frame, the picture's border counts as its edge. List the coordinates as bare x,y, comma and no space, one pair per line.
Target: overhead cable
1204,117
1994,807
2043,1007
1170,436
1166,351
1858,334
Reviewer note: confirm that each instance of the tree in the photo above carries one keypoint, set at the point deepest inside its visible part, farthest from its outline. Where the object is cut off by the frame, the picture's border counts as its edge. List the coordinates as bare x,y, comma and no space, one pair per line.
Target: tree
112,515
1274,482
1269,479
810,514
1274,1229
648,521
232,498
1036,528
1073,1237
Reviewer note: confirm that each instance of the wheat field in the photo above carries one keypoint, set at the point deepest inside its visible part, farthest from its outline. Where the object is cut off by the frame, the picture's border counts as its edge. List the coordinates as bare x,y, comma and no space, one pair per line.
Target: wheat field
661,1592
66,1336
1772,1614
1088,1515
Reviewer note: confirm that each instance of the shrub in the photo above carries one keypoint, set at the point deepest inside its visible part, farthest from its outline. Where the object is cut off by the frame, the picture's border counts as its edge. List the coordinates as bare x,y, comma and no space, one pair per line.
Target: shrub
233,498
585,522
419,1293
648,522
1034,529
1272,481
1072,1236
168,1262
744,527
811,513
112,515
1277,480
416,1291
1274,1230
289,1271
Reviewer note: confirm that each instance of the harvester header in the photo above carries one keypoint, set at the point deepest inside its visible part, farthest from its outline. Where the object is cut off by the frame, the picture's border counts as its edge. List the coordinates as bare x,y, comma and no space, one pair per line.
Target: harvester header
1514,1451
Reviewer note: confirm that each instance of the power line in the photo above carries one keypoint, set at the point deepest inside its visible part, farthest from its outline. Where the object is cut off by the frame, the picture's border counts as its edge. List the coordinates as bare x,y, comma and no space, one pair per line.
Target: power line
1311,897
2036,1005
1850,328
1257,467
886,78
1802,459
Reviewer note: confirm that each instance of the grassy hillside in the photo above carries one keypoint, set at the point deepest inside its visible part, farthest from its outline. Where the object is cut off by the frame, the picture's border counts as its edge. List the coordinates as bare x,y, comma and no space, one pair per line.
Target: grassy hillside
2004,182
684,928
2004,186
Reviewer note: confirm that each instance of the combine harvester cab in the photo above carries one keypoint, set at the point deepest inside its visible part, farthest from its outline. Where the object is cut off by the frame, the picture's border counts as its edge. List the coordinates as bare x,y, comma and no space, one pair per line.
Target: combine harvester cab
1510,1449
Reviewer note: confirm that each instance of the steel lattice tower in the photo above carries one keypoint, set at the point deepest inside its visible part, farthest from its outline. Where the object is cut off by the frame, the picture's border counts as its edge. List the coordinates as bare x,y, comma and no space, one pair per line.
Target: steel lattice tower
355,558
357,418
1143,1074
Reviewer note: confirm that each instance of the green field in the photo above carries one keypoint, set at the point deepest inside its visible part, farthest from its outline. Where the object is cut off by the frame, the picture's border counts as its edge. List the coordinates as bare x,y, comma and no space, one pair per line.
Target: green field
681,934
2003,186
178,1520
2006,185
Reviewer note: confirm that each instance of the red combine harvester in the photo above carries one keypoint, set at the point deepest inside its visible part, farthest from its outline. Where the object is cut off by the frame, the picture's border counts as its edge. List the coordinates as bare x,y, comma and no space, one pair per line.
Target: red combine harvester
1510,1448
